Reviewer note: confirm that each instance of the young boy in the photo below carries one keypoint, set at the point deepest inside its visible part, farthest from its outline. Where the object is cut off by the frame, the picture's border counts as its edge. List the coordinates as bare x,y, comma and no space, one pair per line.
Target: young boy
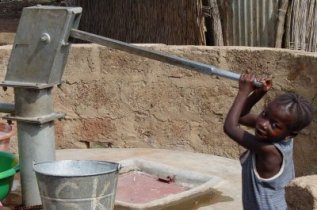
267,165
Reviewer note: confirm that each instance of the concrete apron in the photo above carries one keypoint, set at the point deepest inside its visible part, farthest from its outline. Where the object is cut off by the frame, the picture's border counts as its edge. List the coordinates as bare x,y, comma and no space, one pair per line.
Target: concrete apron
226,194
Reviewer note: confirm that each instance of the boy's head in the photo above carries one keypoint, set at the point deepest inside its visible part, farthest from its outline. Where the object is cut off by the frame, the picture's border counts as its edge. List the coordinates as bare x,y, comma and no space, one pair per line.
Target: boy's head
297,106
284,117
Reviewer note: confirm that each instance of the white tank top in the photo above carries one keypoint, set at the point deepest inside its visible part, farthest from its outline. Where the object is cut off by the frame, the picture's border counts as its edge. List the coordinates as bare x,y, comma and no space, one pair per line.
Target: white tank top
267,193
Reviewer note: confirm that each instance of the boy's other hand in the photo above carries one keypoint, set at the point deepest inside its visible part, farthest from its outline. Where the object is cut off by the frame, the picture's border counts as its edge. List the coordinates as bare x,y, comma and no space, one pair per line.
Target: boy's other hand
266,84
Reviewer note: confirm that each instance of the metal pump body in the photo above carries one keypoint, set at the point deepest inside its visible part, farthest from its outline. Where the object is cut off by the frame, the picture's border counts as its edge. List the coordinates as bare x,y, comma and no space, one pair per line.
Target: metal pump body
41,46
36,64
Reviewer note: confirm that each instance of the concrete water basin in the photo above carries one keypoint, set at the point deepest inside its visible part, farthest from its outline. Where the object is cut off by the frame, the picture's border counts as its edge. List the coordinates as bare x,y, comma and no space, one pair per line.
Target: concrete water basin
150,185
224,195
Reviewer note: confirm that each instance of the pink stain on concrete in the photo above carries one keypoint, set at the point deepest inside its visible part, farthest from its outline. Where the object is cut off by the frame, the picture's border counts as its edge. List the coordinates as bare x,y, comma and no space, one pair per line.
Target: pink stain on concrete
137,187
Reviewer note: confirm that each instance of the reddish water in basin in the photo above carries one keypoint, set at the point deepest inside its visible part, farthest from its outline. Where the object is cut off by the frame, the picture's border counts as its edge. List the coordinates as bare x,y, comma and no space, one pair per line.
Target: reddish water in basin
138,187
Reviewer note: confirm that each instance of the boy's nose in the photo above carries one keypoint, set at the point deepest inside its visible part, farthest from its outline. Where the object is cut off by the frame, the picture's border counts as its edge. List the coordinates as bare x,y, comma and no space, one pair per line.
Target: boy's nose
263,124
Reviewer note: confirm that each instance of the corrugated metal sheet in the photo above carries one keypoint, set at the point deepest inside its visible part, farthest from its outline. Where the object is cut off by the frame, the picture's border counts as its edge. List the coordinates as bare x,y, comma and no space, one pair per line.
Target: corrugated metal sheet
250,22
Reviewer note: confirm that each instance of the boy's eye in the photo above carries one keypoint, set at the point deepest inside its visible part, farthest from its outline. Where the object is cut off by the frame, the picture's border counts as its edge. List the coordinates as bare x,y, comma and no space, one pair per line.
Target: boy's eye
274,125
263,114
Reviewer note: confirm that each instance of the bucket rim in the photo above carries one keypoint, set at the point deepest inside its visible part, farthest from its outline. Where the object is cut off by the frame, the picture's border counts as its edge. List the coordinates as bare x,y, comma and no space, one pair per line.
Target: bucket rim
14,164
7,154
118,166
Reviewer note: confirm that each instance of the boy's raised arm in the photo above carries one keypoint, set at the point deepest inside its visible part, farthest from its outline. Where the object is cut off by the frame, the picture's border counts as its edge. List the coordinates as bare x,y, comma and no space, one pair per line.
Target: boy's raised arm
242,103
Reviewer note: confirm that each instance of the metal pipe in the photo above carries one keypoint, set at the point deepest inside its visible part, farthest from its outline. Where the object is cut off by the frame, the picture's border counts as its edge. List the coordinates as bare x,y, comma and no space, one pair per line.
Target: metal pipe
36,142
7,108
157,55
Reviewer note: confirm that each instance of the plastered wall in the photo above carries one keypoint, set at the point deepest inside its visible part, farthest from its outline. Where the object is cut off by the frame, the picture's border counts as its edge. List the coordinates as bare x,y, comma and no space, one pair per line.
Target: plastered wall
115,99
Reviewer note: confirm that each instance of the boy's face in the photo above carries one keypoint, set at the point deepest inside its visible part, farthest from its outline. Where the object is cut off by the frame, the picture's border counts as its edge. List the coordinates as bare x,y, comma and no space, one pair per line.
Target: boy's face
273,123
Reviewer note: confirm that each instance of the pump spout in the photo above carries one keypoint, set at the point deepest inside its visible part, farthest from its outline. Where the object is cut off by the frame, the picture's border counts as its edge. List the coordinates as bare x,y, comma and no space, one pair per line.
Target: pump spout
7,108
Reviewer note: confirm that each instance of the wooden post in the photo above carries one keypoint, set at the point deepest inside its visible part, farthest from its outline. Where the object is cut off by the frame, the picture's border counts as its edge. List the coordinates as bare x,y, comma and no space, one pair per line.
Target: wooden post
213,23
280,23
216,22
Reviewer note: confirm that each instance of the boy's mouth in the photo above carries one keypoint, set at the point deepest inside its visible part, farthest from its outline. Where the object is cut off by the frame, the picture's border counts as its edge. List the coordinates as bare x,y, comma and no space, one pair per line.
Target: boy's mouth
260,133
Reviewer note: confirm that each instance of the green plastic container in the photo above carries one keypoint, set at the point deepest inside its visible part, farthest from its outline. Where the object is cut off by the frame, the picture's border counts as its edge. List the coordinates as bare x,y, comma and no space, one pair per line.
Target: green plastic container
8,168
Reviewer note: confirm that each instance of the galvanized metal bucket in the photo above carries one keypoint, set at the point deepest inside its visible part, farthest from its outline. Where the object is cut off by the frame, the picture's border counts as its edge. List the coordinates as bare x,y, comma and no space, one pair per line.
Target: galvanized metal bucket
77,184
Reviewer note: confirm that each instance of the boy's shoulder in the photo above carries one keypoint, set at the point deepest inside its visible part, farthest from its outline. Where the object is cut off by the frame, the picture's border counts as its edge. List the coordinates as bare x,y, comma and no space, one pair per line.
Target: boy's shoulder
285,143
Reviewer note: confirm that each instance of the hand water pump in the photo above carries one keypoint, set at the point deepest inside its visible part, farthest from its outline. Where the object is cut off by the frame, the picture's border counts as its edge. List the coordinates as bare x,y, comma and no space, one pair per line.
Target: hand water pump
36,65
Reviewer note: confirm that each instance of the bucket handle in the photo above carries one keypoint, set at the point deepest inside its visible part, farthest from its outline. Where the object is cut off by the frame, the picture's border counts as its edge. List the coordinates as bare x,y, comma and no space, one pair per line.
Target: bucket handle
119,166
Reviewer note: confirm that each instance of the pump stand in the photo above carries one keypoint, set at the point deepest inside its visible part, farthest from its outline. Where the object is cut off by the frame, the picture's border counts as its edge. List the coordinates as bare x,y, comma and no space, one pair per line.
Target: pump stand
36,65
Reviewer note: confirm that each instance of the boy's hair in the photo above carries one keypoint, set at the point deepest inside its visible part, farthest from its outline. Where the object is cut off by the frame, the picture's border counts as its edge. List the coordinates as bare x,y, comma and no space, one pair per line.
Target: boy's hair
299,107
